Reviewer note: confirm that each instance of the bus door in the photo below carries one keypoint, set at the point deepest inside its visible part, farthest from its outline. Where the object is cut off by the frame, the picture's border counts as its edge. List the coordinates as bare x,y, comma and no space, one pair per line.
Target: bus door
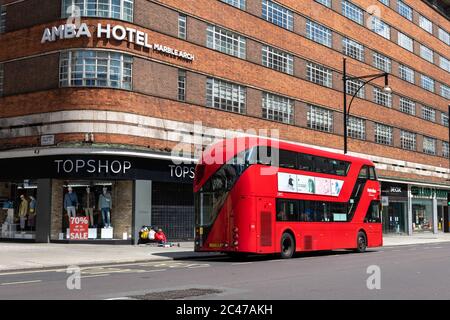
265,215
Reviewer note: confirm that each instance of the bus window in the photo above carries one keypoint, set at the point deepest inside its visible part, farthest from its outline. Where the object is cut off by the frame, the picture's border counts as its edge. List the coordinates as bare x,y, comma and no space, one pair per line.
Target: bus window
363,174
287,210
305,162
372,173
288,159
373,213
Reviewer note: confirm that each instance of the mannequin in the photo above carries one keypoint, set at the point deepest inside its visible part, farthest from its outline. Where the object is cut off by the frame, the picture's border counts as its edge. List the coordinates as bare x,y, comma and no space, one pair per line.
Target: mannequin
104,204
23,211
70,203
32,213
89,205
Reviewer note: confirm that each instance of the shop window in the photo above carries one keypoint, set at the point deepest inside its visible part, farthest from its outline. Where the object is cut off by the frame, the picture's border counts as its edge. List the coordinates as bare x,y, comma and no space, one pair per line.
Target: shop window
18,209
101,204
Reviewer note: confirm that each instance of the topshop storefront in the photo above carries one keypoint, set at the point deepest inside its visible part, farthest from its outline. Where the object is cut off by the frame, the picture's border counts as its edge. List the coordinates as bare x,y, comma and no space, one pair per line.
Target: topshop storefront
112,194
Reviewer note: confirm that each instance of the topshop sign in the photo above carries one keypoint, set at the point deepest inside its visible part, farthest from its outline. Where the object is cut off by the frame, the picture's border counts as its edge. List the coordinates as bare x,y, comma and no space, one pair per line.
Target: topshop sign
117,32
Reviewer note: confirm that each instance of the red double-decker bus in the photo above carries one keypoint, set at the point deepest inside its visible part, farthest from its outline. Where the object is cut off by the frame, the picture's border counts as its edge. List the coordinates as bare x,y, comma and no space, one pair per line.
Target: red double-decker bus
265,196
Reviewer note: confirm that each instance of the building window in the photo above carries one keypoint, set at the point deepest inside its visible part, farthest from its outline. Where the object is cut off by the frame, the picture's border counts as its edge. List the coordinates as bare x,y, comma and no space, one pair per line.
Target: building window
385,2
356,128
236,3
428,113
318,33
225,95
404,10
2,75
277,14
2,19
427,83
96,68
326,3
352,12
277,108
353,86
353,49
445,91
445,149
182,30
319,75
406,73
444,119
383,134
320,119
426,24
405,42
429,145
444,36
116,9
225,41
277,60
426,53
408,140
382,62
378,26
181,85
407,106
444,63
382,98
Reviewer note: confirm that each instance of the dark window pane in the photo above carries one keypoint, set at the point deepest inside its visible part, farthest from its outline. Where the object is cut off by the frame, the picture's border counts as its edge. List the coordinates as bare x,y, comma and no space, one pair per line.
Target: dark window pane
288,159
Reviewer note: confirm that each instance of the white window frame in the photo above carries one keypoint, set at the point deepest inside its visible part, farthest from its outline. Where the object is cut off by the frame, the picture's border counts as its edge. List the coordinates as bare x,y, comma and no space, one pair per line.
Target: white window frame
382,62
356,128
182,26
382,98
425,81
126,9
319,74
3,14
405,42
277,60
225,41
181,85
277,14
407,74
383,134
407,106
444,36
319,33
426,24
353,49
429,145
277,108
353,85
426,53
408,140
445,91
319,119
380,27
2,78
404,10
326,3
444,63
236,3
352,12
444,119
428,113
96,70
224,95
445,149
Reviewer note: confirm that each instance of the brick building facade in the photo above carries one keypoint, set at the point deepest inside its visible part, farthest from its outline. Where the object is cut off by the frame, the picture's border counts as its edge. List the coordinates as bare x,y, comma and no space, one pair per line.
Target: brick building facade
256,64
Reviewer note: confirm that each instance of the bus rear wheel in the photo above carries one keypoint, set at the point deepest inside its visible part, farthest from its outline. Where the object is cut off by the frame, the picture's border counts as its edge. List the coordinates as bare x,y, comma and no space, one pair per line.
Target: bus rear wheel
361,244
287,245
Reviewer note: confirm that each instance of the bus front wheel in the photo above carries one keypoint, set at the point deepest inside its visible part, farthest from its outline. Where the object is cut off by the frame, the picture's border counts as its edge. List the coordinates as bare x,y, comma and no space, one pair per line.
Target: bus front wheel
287,246
361,244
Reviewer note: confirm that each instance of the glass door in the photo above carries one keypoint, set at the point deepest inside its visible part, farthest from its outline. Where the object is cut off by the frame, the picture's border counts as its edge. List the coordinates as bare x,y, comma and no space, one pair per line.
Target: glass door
395,218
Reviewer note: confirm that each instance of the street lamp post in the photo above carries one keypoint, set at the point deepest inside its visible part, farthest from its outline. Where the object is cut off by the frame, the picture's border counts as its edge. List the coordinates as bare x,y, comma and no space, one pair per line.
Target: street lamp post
369,78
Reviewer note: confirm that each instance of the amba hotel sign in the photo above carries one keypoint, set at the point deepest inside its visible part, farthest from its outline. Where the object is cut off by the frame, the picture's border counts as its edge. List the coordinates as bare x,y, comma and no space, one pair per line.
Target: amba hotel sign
117,32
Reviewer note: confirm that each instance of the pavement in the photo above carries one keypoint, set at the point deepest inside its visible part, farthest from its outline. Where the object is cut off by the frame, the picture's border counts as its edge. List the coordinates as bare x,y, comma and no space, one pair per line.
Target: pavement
26,256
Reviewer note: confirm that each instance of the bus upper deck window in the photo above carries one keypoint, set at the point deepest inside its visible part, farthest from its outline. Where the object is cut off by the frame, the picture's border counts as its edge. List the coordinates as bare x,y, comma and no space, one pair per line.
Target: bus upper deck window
372,174
363,174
